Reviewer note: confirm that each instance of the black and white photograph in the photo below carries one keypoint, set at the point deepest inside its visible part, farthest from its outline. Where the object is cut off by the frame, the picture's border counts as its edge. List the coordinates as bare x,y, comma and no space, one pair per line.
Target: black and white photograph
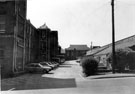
67,46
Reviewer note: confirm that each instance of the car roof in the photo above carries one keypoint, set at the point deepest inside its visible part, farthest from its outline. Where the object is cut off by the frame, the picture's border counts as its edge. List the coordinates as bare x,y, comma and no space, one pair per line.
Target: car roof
33,64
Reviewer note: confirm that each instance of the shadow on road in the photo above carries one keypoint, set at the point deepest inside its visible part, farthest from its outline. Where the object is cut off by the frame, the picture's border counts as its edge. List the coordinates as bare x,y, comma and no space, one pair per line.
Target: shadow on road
69,64
64,66
37,82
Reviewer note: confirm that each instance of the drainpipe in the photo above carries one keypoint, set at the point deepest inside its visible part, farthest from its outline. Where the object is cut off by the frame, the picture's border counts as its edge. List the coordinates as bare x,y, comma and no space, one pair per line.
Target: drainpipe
15,39
24,47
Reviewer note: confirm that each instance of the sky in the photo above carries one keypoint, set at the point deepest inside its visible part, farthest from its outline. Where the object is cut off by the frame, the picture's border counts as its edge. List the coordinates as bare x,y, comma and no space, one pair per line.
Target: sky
83,21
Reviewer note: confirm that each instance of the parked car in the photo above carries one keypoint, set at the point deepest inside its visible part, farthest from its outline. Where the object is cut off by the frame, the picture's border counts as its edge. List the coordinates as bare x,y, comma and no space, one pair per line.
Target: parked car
55,63
78,60
47,64
51,63
37,67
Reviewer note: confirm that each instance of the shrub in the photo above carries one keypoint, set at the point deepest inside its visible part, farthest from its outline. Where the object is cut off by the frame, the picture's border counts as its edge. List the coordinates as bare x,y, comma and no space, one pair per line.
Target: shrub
131,60
123,59
89,66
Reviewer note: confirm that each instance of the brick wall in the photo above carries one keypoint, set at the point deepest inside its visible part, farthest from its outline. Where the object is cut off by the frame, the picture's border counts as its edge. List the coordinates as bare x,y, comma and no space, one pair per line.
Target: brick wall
6,45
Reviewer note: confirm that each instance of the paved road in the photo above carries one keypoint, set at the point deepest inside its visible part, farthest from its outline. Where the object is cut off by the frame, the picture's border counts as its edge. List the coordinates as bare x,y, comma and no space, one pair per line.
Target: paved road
70,69
67,79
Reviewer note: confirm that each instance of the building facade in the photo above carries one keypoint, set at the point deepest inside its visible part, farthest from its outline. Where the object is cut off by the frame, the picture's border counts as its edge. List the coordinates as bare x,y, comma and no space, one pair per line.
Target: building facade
20,42
44,43
54,45
48,43
75,51
12,36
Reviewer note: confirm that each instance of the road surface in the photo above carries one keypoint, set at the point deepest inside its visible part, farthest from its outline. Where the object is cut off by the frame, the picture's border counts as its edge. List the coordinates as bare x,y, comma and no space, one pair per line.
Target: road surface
68,79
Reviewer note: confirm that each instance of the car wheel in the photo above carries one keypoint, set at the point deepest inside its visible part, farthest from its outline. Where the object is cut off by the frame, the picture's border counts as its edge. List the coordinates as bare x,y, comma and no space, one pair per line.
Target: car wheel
44,71
30,71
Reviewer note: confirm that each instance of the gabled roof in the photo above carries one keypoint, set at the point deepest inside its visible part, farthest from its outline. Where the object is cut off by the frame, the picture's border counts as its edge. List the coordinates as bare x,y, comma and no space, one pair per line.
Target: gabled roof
78,47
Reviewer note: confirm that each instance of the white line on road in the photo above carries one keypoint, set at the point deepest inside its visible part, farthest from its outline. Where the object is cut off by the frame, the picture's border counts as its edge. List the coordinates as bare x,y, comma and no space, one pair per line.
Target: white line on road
82,77
11,89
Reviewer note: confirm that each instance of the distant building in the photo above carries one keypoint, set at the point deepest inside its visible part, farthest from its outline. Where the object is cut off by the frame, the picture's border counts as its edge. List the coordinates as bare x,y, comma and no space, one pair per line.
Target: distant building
75,51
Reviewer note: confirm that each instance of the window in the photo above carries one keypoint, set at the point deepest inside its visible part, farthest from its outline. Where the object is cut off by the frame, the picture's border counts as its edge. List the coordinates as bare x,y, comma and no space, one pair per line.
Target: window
2,23
1,53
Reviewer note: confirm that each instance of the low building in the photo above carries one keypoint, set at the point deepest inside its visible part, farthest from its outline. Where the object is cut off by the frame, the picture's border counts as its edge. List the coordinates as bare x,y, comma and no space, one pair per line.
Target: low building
75,51
102,52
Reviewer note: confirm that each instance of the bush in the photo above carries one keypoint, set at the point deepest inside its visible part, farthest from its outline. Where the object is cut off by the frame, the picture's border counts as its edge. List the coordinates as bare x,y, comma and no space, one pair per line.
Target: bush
89,66
131,60
124,59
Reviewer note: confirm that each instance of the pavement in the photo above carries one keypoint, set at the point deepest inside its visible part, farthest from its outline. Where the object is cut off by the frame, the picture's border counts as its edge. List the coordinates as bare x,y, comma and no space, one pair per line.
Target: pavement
110,75
68,79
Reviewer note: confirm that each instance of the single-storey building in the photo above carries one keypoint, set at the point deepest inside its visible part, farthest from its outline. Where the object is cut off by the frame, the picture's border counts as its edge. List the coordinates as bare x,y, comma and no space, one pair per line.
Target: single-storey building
102,53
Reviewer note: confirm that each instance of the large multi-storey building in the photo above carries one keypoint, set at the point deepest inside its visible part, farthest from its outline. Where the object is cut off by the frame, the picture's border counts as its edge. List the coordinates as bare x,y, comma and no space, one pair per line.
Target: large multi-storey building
20,41
44,43
12,36
48,43
54,44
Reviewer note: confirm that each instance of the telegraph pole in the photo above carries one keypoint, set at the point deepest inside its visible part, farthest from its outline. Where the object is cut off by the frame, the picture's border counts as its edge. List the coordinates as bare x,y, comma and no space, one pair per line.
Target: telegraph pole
113,39
91,46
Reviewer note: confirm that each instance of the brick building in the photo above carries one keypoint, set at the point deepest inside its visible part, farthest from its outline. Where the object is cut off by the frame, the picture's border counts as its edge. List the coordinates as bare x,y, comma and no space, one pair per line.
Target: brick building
54,45
31,43
44,43
48,43
12,36
20,41
75,51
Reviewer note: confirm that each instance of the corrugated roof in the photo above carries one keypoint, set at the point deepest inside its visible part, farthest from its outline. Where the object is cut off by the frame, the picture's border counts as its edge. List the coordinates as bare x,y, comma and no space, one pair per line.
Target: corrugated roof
78,47
94,51
124,43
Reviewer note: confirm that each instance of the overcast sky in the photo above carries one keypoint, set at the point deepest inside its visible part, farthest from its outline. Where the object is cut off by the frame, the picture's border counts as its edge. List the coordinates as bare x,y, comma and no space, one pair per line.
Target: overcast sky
83,21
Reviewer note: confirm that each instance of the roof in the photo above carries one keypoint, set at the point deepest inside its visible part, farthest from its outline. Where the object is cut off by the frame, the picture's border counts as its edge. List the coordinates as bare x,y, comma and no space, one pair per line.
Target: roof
124,43
78,47
94,51
44,26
